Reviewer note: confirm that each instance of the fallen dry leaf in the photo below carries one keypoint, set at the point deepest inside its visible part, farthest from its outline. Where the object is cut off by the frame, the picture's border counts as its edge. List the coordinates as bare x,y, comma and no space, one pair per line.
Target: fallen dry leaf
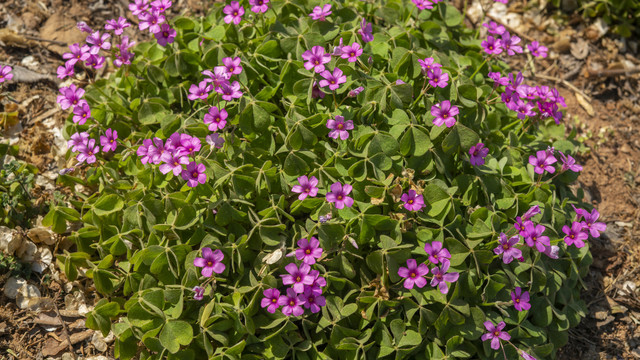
585,104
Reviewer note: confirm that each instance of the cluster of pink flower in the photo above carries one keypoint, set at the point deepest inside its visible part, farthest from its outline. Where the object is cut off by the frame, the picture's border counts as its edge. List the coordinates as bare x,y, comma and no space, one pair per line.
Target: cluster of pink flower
414,274
87,148
5,73
544,160
234,11
523,98
218,79
306,284
210,262
151,17
507,42
173,154
425,4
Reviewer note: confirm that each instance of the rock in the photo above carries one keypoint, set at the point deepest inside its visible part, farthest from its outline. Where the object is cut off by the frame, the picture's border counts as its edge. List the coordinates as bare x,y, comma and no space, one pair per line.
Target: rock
43,260
28,297
12,286
41,234
27,251
98,342
9,241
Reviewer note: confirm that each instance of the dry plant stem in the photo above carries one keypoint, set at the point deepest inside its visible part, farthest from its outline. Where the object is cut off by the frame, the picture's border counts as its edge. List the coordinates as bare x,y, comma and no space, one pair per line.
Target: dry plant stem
65,329
613,72
565,83
45,40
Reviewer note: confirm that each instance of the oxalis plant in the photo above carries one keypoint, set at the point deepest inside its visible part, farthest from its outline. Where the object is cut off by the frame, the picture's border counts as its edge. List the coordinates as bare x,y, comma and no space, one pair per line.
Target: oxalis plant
293,179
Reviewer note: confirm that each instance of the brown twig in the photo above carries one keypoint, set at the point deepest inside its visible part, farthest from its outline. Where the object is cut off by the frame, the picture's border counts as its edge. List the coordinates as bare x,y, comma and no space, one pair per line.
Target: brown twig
612,72
30,37
64,327
565,83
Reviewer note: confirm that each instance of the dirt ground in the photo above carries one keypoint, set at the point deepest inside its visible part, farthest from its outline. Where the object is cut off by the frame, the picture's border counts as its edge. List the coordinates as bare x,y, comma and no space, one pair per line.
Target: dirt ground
593,71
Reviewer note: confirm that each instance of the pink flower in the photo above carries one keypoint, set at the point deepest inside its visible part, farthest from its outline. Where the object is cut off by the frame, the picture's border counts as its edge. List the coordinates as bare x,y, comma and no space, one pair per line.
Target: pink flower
291,303
63,71
537,50
307,187
82,26
520,299
230,91
494,28
492,46
526,356
309,250
366,31
413,274
99,42
339,127
88,151
510,43
210,262
351,52
441,277
161,5
215,140
313,301
270,300
316,58
77,139
437,78
200,91
166,35
218,77
232,65
259,6
321,13
507,248
444,113
194,174
575,234
5,73
117,26
70,96
173,162
297,277
533,236
198,293
318,283
217,119
477,154
138,7
151,20
428,64
95,61
595,228
77,53
332,80
234,13
495,333
81,112
338,195
412,201
109,141
498,78
542,162
437,253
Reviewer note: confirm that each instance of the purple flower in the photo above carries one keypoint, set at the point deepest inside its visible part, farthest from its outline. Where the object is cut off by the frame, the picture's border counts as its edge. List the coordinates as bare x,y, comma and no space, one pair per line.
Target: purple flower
200,91
125,56
194,174
217,119
444,113
318,283
515,84
495,333
537,50
234,13
412,201
441,277
198,293
542,162
520,299
297,277
534,210
510,43
437,77
215,140
160,5
313,301
210,262
321,13
533,236
332,80
413,274
70,96
492,45
428,64
138,7
78,53
338,195
306,188
477,154
218,77
595,228
366,31
316,92
81,112
437,254
82,26
109,141
166,35
291,303
117,26
525,109
339,127
498,78
155,150
63,72
189,144
526,356
507,248
99,42
173,161
552,251
230,91
309,250
77,139
151,20
232,65
574,234
95,61
351,52
356,91
494,28
88,151
259,6
424,4
5,73
270,300
569,163
316,58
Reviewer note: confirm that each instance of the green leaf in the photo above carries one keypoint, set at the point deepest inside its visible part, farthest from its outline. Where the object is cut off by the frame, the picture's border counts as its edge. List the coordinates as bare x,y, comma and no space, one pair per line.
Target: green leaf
108,204
176,333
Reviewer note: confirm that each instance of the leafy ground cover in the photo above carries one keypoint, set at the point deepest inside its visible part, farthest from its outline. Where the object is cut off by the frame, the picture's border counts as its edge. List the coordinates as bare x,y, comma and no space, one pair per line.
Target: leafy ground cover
362,246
